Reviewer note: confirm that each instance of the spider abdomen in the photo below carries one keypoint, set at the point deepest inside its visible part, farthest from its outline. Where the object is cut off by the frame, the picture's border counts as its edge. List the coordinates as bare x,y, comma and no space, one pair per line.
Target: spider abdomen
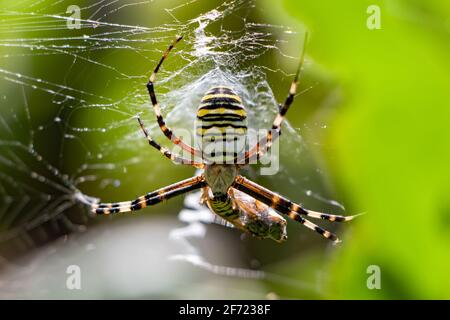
221,125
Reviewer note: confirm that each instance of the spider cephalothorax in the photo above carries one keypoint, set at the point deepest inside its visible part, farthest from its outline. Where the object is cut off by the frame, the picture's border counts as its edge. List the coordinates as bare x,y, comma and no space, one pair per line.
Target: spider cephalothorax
220,177
221,128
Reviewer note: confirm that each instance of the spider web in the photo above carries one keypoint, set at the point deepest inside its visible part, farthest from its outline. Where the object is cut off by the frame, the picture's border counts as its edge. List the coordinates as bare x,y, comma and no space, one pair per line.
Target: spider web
69,136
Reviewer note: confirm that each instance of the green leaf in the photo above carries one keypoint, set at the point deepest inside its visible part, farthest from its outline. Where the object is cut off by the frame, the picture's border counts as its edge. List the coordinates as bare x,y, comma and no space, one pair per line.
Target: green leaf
389,140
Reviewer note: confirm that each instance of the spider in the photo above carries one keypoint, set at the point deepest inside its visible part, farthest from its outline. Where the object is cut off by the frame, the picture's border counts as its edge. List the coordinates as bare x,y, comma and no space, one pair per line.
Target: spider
221,118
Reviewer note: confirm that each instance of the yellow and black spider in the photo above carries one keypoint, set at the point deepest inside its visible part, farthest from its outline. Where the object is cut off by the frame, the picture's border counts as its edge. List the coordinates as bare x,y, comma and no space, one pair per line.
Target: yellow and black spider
221,118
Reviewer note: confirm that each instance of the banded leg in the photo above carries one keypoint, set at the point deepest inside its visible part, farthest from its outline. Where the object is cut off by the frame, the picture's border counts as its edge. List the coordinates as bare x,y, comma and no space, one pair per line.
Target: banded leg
151,198
265,143
156,108
166,152
287,207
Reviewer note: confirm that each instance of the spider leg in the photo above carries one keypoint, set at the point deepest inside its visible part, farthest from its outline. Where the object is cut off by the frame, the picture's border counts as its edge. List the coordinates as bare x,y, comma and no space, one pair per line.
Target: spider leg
265,143
165,151
151,198
156,108
287,207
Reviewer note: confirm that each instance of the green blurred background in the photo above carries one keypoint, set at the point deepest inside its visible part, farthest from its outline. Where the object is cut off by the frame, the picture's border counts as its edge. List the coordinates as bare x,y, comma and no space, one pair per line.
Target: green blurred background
375,136
390,140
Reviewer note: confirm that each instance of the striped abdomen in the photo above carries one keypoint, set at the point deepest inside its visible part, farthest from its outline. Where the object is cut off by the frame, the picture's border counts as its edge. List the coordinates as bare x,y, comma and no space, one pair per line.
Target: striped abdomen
221,125
249,215
223,207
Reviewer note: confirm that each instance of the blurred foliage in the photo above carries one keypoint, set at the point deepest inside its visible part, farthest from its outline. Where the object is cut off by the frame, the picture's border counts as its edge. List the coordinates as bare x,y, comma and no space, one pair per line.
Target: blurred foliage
388,147
376,122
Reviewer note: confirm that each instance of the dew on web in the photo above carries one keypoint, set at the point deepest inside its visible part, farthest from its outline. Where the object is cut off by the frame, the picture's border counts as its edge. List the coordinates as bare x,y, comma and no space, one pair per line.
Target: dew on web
67,138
